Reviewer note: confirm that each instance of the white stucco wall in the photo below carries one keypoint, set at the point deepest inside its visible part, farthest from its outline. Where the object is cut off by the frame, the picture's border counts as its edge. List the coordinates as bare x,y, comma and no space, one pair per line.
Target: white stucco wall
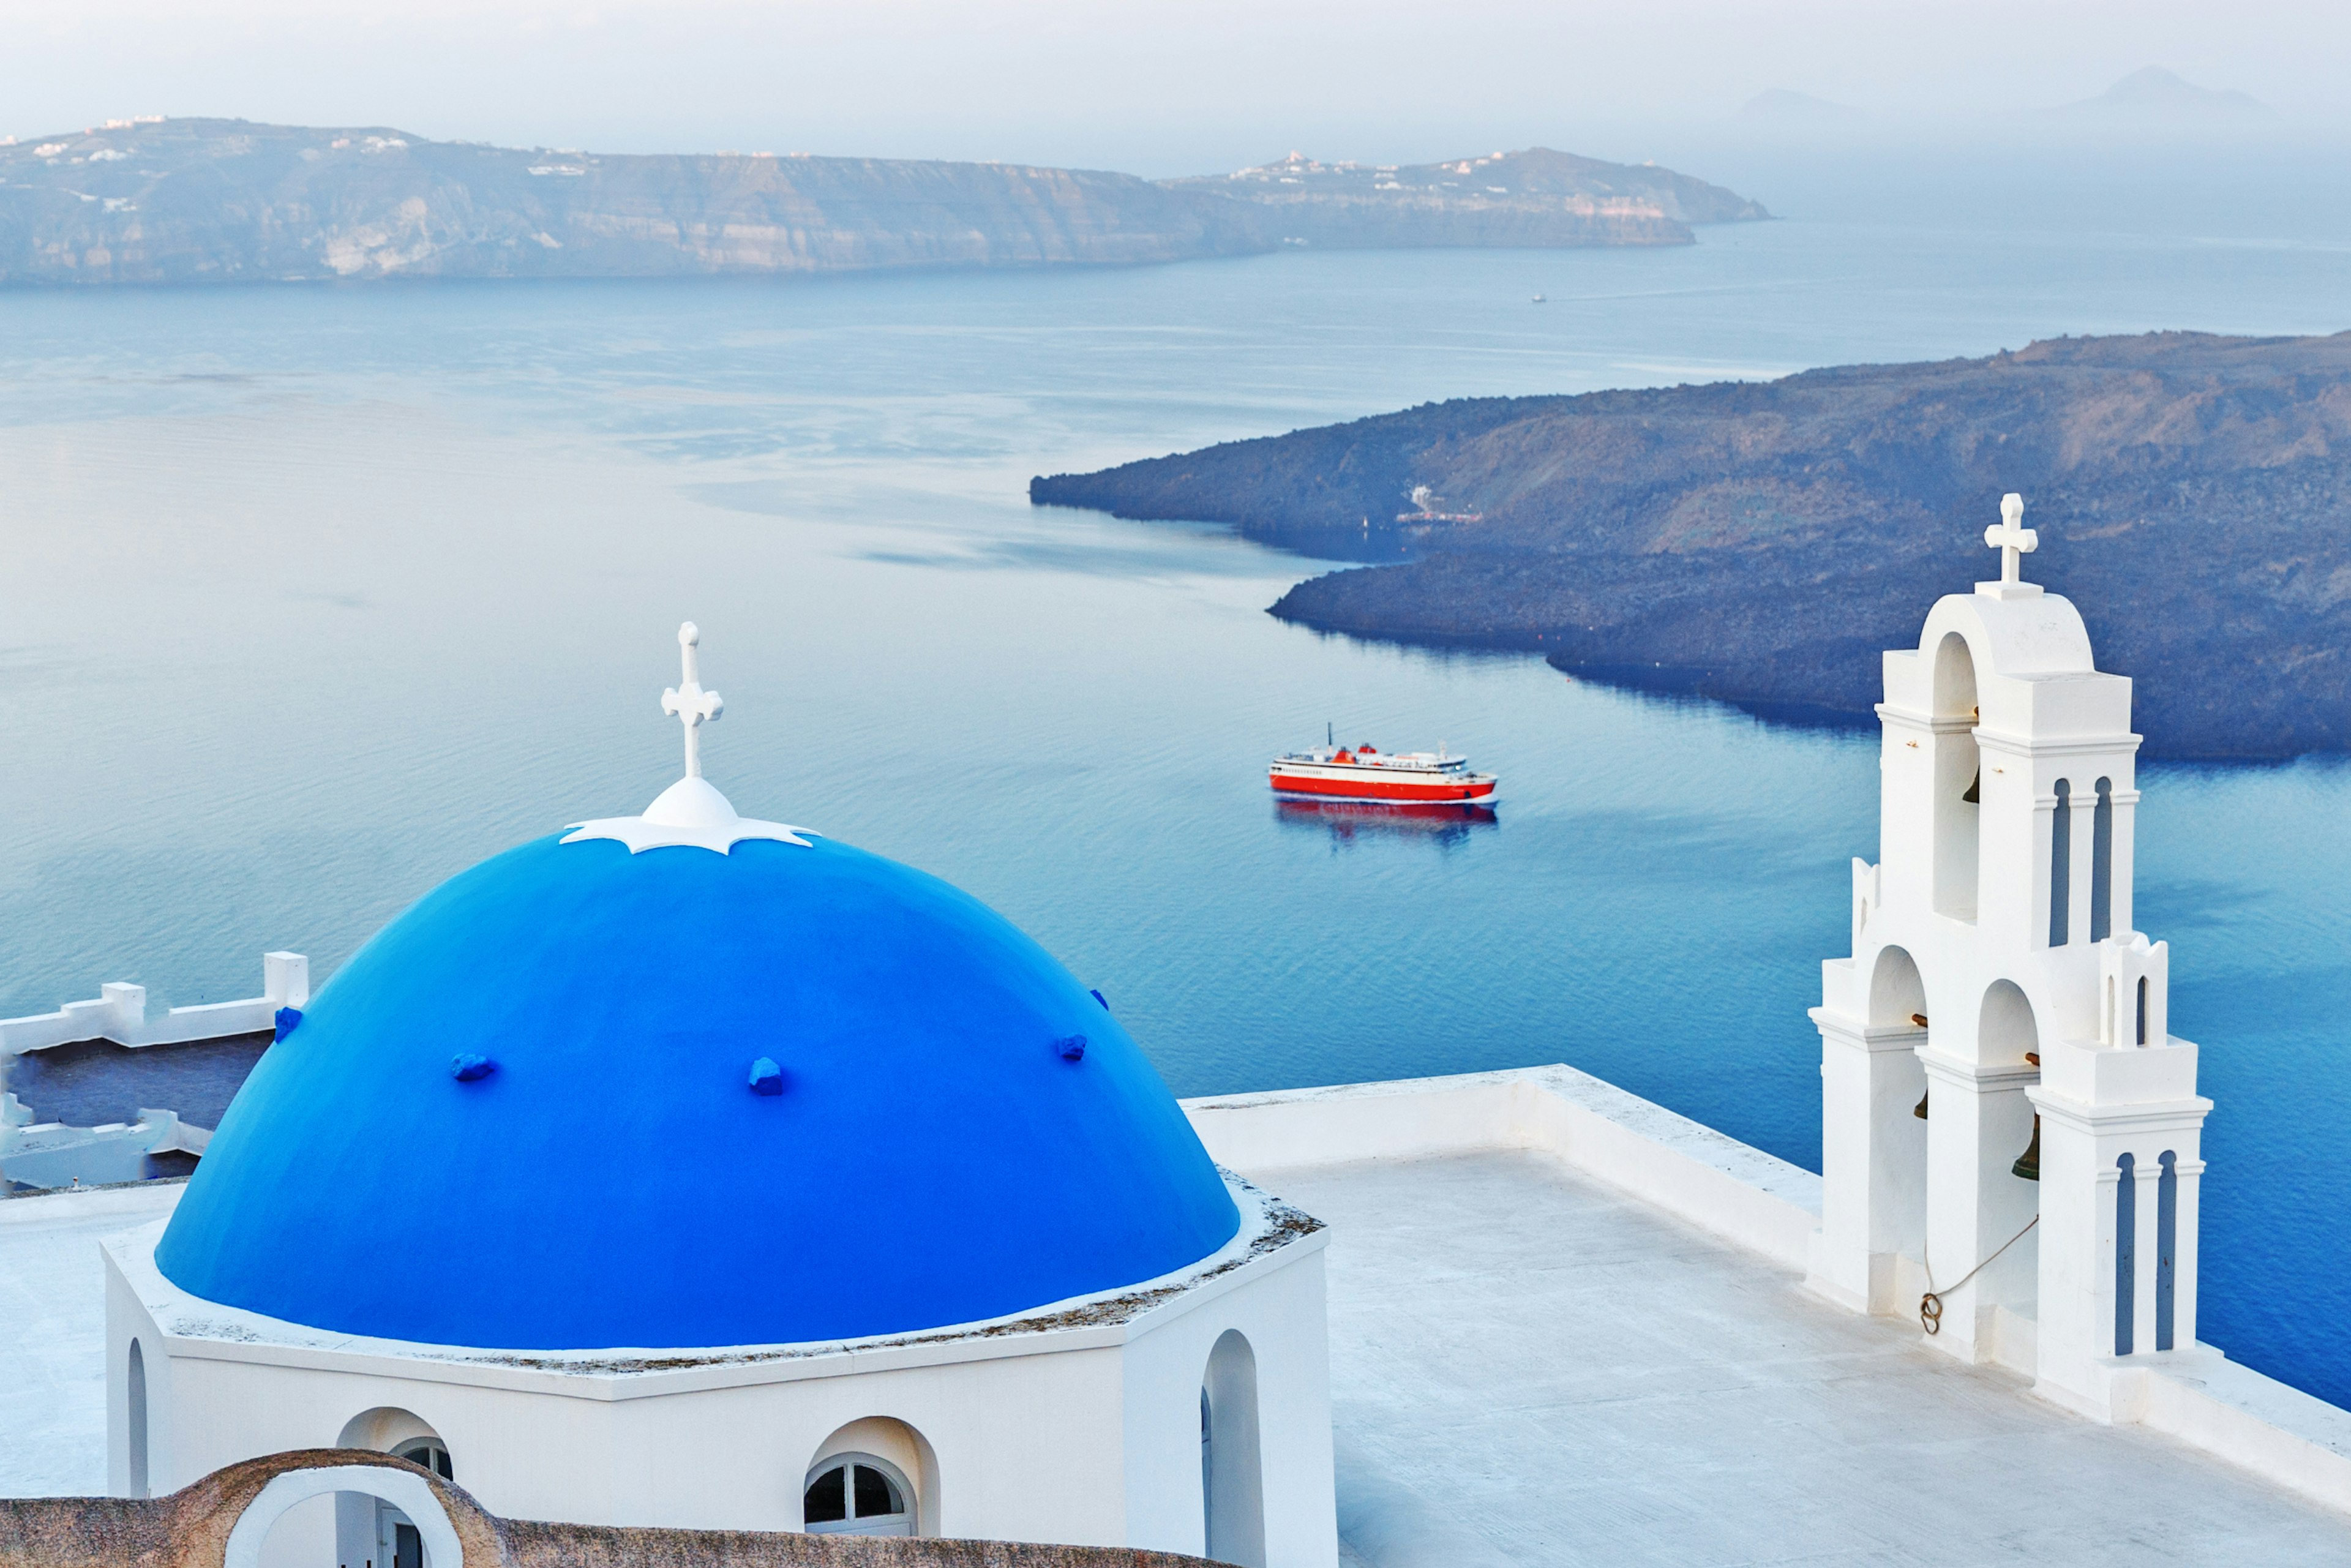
1084,1432
1284,1318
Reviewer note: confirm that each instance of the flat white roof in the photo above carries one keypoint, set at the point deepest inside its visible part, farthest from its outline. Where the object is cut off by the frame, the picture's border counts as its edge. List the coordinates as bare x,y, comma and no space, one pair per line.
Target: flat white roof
1528,1366
53,1334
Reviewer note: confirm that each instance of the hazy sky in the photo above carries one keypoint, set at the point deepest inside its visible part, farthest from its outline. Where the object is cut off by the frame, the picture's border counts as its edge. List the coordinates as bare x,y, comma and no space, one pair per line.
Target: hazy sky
1147,85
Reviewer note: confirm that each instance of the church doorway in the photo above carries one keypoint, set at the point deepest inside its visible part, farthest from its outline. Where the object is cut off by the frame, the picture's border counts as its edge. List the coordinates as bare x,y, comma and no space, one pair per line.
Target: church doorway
853,1494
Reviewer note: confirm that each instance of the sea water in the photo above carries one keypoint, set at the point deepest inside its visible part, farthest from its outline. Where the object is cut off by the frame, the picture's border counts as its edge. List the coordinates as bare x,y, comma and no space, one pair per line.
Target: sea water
314,596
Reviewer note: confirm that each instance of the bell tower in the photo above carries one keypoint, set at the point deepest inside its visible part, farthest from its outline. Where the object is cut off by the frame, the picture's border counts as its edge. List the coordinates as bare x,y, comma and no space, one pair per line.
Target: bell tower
2010,1132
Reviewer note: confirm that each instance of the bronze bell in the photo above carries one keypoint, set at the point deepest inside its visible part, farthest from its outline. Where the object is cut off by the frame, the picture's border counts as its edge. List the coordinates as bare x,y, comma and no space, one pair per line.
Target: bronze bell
1974,797
2028,1164
1919,1110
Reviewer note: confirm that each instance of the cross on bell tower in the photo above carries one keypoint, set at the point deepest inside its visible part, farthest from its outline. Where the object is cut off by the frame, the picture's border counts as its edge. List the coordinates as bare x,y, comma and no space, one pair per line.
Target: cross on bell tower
688,701
2013,542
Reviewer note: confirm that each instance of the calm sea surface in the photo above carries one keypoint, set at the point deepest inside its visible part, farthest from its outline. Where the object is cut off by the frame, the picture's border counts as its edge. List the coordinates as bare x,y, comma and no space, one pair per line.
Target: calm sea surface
313,596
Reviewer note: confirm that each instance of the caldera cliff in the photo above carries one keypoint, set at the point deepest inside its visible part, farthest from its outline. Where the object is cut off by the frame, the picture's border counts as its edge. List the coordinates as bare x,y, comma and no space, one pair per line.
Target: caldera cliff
1760,542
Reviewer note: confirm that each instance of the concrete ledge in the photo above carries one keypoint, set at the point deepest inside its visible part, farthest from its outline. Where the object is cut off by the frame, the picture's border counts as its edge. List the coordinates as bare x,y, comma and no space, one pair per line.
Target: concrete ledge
1717,1183
2292,1438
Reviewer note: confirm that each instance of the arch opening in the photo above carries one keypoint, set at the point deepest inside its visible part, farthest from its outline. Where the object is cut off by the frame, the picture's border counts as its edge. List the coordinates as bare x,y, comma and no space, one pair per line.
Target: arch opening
2006,1032
289,1521
134,1425
1899,1109
369,1531
2008,1143
1958,779
1232,1477
1898,995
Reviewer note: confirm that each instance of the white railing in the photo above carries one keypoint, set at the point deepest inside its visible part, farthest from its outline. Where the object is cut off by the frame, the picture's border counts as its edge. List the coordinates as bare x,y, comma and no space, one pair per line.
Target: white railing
119,1013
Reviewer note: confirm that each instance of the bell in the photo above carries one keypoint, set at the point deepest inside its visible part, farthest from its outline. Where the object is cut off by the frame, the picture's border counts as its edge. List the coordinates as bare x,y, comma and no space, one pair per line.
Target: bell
1974,797
1919,1110
2028,1164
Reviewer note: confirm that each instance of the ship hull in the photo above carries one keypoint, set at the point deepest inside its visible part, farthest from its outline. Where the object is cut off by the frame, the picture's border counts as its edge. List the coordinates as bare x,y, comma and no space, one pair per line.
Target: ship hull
1435,790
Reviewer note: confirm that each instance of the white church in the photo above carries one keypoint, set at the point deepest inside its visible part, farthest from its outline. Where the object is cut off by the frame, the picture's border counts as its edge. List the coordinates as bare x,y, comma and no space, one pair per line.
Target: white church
718,1174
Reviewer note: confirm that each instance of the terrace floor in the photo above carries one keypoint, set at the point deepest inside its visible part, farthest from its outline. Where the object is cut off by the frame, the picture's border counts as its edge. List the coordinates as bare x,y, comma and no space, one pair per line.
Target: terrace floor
1528,1368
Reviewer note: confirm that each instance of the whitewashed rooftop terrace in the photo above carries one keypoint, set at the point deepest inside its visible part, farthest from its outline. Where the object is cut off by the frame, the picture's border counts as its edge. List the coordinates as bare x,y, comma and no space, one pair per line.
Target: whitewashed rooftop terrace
1527,1367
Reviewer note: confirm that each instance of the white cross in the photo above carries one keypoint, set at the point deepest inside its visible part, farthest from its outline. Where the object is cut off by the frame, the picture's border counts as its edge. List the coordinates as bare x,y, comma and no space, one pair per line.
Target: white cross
688,701
2013,543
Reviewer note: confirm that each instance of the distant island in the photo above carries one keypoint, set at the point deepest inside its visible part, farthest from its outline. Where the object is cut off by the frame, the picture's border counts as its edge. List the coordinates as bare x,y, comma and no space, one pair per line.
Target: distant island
1760,542
2156,96
227,201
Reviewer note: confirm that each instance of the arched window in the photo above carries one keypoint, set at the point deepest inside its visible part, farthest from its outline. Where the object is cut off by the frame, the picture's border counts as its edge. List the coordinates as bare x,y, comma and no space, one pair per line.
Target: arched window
135,1387
2102,862
430,1452
857,1494
2061,867
2142,1009
2126,1253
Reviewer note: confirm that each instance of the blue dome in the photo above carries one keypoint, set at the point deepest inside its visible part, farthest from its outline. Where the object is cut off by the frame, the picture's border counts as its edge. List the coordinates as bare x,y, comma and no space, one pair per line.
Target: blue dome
615,1180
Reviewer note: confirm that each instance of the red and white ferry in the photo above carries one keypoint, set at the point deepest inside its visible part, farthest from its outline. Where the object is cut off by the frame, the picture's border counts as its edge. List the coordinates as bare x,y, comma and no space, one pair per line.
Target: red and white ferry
1367,773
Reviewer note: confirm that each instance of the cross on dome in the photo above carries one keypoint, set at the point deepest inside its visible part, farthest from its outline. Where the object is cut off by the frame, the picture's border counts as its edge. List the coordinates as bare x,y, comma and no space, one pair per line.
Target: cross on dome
2014,543
690,812
688,701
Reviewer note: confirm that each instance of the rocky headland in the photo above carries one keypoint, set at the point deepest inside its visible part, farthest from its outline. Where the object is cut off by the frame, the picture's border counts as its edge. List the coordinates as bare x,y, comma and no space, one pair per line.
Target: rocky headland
1760,542
204,201
1536,197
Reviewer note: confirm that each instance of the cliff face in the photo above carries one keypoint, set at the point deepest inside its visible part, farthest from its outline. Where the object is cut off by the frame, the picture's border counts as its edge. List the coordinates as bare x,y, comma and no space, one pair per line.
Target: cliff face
1762,542
188,201
195,200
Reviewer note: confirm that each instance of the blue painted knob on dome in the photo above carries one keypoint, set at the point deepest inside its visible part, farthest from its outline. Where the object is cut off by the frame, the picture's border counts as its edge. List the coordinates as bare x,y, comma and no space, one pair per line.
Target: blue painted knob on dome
470,1068
767,1078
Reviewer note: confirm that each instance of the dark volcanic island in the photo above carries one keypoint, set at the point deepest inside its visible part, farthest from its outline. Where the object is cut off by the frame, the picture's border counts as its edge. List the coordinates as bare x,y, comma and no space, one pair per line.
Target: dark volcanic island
1760,542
